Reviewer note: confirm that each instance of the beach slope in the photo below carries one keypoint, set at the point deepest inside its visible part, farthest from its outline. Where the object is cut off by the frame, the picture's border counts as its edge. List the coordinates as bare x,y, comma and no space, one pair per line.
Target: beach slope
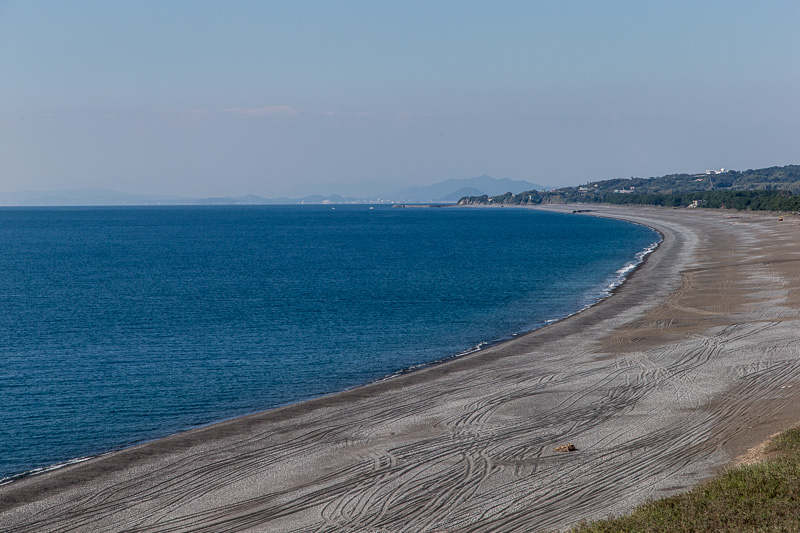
695,359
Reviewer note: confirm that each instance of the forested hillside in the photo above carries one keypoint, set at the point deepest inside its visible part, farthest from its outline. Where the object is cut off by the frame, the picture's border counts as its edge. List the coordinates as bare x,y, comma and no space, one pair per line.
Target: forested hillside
774,188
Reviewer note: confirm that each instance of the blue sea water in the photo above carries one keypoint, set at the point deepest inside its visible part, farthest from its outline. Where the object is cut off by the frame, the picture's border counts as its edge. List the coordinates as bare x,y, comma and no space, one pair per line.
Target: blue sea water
121,325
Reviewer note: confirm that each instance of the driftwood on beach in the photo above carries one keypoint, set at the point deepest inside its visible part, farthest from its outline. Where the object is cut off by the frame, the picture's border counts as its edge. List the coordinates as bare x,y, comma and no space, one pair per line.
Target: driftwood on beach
695,359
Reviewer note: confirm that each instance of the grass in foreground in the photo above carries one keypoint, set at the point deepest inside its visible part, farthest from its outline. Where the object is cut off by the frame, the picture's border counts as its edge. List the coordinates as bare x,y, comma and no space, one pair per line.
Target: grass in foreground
760,497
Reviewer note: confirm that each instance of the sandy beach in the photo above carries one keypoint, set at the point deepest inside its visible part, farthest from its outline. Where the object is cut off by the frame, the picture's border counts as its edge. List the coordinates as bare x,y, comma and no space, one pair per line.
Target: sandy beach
693,361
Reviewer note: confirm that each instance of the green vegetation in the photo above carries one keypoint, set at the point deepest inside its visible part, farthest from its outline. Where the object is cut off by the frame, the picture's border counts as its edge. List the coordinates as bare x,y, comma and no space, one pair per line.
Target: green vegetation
772,189
769,200
760,497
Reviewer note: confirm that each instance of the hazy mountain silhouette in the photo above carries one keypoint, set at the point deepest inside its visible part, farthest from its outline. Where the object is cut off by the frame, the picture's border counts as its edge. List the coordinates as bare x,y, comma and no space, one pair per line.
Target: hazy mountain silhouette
447,191
453,189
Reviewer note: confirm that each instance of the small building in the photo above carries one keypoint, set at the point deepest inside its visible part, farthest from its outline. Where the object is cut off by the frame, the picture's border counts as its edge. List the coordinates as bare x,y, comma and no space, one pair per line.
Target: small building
711,172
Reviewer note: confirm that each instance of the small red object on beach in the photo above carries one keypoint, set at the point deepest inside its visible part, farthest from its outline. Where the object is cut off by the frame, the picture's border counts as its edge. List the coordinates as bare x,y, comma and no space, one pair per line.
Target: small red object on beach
565,448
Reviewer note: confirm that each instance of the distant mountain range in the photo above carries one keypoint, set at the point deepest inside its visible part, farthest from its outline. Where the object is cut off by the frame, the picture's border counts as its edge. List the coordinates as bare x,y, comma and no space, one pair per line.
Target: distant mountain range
453,189
448,191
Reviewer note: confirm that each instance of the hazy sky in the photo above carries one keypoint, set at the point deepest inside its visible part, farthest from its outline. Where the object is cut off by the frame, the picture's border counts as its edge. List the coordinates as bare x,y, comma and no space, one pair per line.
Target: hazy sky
217,98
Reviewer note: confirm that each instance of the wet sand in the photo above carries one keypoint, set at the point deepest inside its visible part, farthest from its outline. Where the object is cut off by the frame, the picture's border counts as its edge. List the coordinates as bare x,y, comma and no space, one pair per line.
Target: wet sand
693,361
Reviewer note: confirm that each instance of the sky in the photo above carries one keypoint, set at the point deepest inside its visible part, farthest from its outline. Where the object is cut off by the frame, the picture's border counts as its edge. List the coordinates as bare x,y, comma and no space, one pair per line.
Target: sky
212,98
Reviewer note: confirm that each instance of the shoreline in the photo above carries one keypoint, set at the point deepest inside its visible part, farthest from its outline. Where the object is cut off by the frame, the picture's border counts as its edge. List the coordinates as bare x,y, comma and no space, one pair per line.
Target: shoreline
650,402
594,297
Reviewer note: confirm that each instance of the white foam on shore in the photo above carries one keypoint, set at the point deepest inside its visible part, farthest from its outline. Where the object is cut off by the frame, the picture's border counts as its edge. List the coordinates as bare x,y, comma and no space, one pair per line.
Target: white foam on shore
593,299
623,272
43,469
618,279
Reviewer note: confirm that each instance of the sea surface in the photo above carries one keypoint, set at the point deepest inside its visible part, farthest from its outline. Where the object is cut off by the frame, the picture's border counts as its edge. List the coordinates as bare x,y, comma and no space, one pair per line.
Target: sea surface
126,324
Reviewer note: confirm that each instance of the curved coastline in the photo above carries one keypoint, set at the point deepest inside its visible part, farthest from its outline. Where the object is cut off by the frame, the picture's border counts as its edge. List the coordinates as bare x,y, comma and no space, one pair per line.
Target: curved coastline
593,297
476,431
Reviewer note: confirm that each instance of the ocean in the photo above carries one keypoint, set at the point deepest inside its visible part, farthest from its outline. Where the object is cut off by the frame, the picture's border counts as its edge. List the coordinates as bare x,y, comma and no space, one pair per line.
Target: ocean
121,325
